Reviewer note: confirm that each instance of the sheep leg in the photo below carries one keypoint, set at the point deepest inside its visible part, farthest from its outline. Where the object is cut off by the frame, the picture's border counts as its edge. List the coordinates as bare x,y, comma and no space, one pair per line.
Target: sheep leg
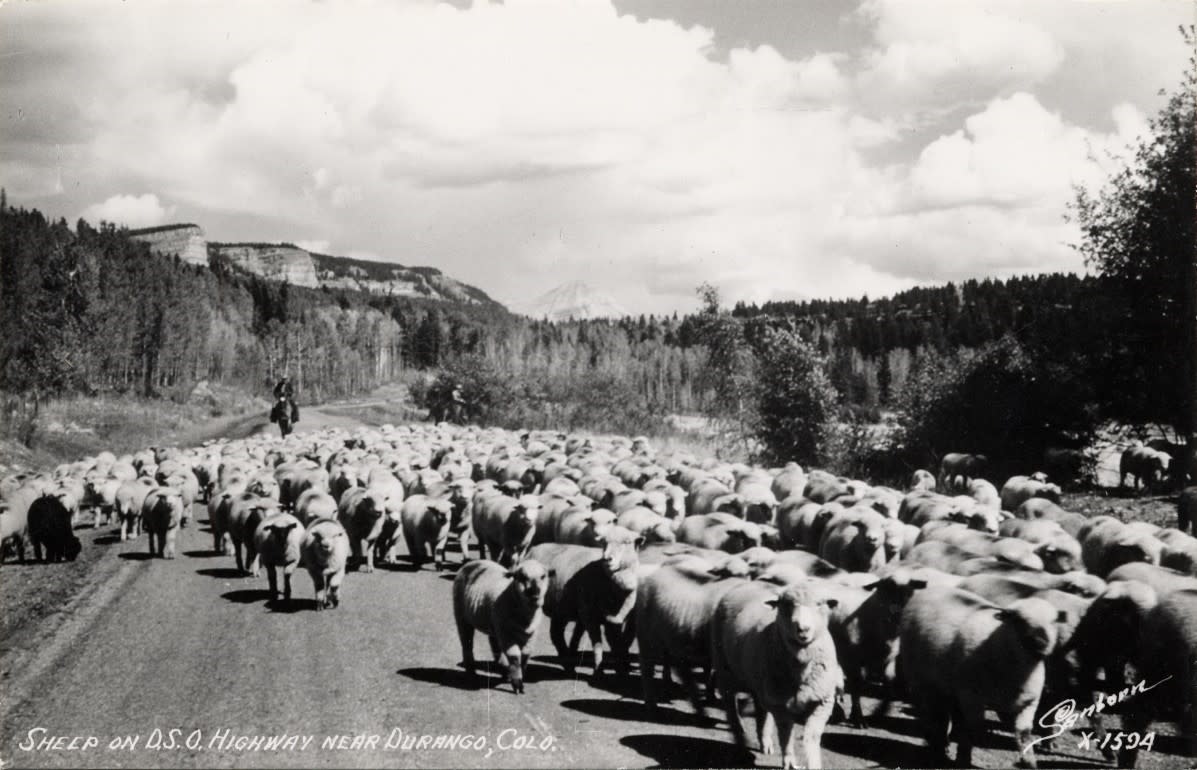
971,714
595,632
1024,724
368,550
334,587
767,729
783,726
237,554
691,685
557,634
321,595
812,734
515,668
852,676
466,635
732,707
150,539
272,577
647,670
463,540
287,586
253,563
935,715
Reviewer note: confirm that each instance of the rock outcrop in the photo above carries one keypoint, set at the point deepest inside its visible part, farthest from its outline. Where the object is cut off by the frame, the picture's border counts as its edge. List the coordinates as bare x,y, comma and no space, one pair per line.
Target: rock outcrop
276,262
187,242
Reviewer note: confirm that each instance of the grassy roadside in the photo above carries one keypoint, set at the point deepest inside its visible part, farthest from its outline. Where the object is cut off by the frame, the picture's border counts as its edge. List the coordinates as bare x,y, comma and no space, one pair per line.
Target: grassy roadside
69,428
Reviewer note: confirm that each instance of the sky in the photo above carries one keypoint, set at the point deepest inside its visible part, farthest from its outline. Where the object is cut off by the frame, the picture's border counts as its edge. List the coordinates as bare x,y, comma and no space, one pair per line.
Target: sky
777,149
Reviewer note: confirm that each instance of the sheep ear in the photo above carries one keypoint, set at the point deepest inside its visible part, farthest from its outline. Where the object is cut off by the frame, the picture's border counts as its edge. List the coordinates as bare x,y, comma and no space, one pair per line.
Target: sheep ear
1003,614
872,586
832,603
771,602
639,542
918,583
509,573
553,573
1062,617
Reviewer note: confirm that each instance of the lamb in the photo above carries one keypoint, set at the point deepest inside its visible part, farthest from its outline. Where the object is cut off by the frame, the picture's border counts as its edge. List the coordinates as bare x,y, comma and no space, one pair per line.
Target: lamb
1010,549
583,527
315,504
593,588
1107,543
50,531
1162,579
960,561
864,625
324,552
505,525
363,515
856,541
162,513
719,531
101,497
776,646
1186,510
506,605
1019,489
796,521
246,512
654,527
278,541
961,654
426,527
790,481
1060,551
129,500
14,520
674,606
1166,656
1180,551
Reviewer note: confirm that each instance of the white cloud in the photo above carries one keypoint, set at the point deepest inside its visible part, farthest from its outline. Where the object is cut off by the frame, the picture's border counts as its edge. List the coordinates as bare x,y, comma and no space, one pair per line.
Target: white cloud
521,145
130,210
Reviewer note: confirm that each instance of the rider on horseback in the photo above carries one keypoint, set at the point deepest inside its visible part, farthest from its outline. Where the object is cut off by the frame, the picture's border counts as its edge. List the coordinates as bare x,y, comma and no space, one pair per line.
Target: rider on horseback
284,393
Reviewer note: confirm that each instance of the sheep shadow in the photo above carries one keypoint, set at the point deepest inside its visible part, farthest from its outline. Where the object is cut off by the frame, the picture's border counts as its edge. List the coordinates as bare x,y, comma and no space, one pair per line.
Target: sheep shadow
247,595
137,556
221,573
107,539
637,711
203,554
458,679
669,750
282,607
876,749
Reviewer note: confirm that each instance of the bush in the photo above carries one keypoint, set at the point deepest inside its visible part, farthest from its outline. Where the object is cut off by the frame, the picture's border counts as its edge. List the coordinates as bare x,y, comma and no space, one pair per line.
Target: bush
796,402
999,401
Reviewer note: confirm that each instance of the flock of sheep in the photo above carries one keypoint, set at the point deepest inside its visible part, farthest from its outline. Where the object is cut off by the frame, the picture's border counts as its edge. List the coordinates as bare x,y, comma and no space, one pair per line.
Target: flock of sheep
790,587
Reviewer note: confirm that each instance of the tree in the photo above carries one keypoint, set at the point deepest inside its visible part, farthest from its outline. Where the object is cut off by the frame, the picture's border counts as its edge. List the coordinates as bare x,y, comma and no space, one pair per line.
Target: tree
1138,232
730,372
796,402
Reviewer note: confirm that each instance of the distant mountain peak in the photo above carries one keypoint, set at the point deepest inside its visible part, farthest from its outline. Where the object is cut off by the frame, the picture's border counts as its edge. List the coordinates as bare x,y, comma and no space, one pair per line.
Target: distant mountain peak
574,299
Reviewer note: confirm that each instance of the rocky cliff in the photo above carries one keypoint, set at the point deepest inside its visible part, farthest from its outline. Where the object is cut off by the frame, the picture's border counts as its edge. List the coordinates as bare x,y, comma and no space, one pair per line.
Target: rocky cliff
277,262
185,241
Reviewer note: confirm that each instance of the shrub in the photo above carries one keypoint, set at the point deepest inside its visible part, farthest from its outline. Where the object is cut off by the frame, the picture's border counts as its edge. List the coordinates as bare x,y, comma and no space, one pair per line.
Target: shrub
796,402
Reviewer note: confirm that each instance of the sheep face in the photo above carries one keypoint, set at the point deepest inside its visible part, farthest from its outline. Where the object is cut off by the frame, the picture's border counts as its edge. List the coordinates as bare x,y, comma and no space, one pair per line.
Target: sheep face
620,553
530,579
802,615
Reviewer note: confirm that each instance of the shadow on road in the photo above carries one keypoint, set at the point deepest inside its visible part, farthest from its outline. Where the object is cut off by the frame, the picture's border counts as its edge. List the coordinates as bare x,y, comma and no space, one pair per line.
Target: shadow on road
137,556
636,711
221,573
202,554
295,605
107,539
886,752
684,751
459,679
247,595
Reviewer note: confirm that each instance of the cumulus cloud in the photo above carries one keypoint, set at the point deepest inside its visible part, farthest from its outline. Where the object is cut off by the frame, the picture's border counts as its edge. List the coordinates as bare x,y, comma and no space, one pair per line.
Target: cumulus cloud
521,145
130,210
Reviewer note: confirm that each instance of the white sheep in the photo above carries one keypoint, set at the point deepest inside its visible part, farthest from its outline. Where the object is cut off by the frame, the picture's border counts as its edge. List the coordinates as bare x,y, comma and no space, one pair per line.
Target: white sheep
278,540
324,553
506,605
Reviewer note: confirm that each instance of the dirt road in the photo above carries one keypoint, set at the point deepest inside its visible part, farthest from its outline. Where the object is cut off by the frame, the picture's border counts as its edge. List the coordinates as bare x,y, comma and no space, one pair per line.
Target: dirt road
182,663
